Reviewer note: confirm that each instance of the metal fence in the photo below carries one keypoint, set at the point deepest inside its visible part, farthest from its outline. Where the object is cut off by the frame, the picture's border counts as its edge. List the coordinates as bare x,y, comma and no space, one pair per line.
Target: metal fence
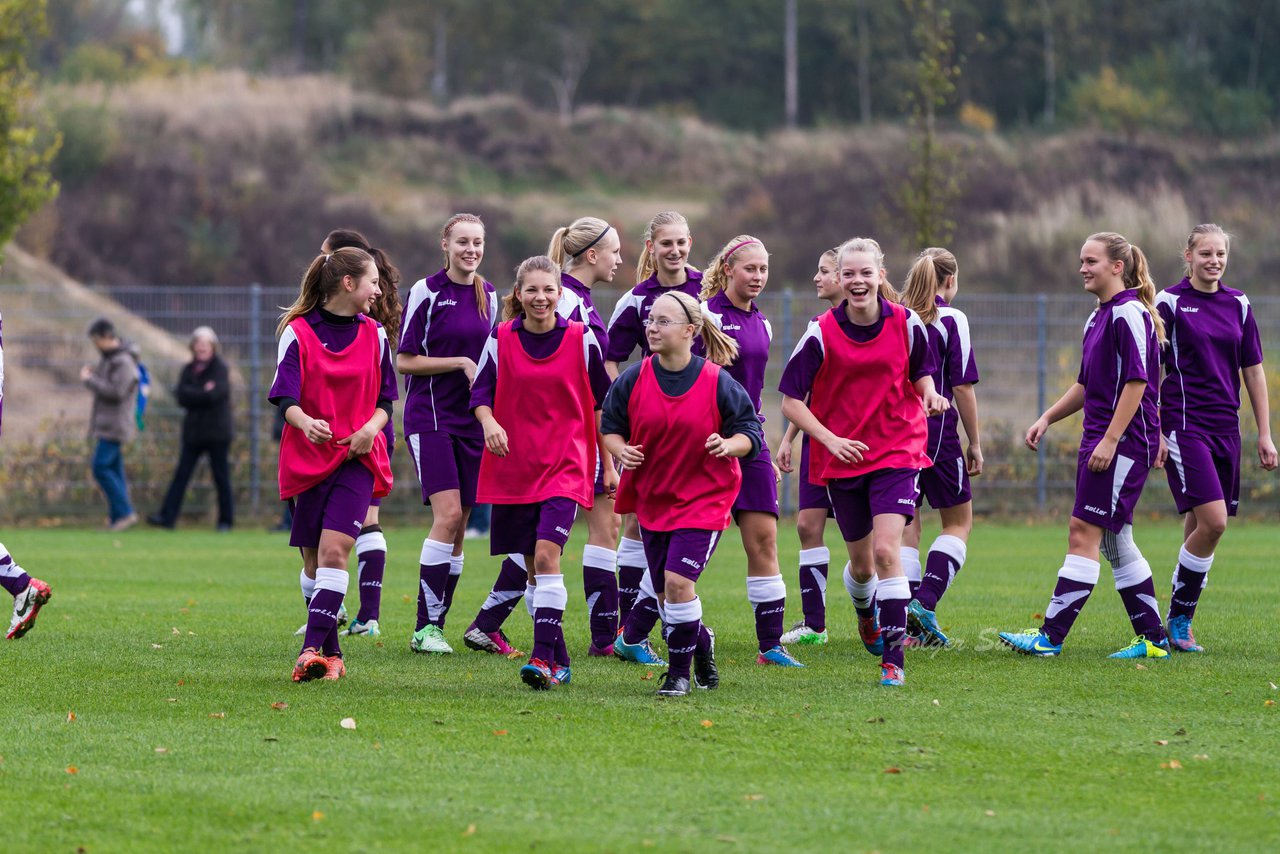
1027,349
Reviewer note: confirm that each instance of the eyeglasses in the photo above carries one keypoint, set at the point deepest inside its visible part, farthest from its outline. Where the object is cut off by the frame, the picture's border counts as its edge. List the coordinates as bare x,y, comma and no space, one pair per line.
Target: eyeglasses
662,323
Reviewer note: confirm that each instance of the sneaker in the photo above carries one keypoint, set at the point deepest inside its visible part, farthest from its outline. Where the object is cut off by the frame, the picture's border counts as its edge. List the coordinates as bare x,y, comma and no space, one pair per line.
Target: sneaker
869,632
1140,647
640,653
1031,642
705,673
335,668
25,607
912,641
925,622
778,656
430,639
155,520
537,675
673,686
891,676
560,674
800,633
342,621
124,523
1180,637
311,665
368,629
492,642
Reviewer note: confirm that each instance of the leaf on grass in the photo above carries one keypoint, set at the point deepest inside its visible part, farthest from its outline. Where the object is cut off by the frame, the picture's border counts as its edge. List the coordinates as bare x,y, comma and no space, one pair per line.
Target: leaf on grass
707,724
1201,756
500,732
317,816
191,603
989,813
754,796
377,745
515,655
1171,765
71,769
875,720
270,738
1037,616
347,723
157,646
438,721
1162,741
175,631
280,706
171,699
182,682
1183,730
648,674
71,716
1141,666
162,750
724,837
893,769
1269,702
407,598
937,702
470,831
1274,686
217,714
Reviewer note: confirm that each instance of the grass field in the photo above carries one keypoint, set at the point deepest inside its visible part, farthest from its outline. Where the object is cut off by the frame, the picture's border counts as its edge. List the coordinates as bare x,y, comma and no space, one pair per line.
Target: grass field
143,716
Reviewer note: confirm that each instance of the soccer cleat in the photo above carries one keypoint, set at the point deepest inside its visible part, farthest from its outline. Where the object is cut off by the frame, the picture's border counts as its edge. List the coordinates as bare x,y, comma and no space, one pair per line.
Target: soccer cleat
1180,637
560,673
800,633
600,651
911,641
869,632
640,653
1031,642
891,676
537,675
430,639
925,623
1140,647
673,686
705,673
25,607
311,665
778,656
368,629
335,668
492,642
342,621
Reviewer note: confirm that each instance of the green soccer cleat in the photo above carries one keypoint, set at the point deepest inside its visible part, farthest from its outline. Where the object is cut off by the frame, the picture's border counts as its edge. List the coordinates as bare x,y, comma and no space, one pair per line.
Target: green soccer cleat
1140,647
802,634
430,639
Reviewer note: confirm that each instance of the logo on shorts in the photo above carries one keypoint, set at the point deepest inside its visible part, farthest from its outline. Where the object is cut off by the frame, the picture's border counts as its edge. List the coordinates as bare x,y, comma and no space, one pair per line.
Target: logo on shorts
358,524
693,563
560,530
907,501
1093,509
1189,309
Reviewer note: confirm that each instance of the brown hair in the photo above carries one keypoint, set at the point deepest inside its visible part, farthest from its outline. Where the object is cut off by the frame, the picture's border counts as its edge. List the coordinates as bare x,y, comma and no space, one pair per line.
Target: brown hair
511,306
720,348
323,279
386,308
1200,231
482,296
1136,275
646,267
716,277
926,276
866,244
570,241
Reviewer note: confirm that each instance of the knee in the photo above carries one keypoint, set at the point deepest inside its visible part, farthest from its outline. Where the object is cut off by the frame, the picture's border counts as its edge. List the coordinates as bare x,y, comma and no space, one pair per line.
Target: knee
450,519
678,588
1212,528
333,556
546,561
1080,534
808,531
886,555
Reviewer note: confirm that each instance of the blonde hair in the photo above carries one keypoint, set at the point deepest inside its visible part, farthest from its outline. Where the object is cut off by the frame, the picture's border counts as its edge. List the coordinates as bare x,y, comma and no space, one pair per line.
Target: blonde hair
1136,275
716,276
720,348
482,296
925,278
511,305
570,241
323,279
867,244
1200,231
646,267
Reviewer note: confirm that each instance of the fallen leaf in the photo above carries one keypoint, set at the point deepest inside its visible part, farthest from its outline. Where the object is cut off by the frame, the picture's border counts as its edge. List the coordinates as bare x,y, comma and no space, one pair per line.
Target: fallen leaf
175,631
726,838
707,724
470,831
280,706
71,716
71,769
989,813
162,750
157,646
1171,765
407,598
1162,741
377,745
171,699
514,656
438,721
875,720
937,702
648,674
271,738
499,732
347,723
191,603
1141,666
317,816
193,634
1269,702
1274,686
217,714
182,682
1182,730
754,796
1201,756
893,770
1037,616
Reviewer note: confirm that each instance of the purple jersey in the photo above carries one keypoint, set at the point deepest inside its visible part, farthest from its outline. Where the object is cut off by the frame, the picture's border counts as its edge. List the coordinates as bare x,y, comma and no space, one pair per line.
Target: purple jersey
805,360
575,304
441,320
539,345
626,326
752,331
1119,347
336,334
953,353
1211,337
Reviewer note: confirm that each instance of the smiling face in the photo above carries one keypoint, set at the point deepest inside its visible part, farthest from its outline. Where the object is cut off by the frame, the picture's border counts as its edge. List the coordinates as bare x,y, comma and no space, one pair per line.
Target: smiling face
363,291
464,247
202,349
539,293
748,271
608,257
826,280
1101,275
668,329
860,279
670,248
1207,260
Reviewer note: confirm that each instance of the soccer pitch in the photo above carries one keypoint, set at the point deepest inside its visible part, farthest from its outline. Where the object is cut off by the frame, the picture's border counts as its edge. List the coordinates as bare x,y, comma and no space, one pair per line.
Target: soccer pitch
151,709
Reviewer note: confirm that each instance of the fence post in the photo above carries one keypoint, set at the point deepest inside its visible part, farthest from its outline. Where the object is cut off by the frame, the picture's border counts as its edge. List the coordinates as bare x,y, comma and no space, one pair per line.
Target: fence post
788,339
1042,371
255,393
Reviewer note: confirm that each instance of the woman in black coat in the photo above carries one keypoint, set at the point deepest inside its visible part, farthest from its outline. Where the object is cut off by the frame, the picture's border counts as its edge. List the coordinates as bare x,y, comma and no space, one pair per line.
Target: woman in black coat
204,391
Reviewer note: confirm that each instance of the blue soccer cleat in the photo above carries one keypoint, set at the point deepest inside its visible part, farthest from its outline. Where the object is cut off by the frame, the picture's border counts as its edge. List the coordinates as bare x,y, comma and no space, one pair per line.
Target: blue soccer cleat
778,656
537,675
1140,647
869,632
891,676
1031,642
925,624
1180,637
640,653
560,673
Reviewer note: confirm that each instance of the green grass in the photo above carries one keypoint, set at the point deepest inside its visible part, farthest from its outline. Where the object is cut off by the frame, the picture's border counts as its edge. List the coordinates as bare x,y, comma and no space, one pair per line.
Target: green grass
183,642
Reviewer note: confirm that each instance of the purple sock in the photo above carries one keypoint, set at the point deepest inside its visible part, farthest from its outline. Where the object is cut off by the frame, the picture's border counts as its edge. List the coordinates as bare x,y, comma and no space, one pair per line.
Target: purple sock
547,633
503,598
600,585
1138,592
433,579
371,555
684,633
813,586
768,598
893,596
322,613
631,569
1076,580
704,637
641,620
451,584
562,651
1189,579
944,561
12,577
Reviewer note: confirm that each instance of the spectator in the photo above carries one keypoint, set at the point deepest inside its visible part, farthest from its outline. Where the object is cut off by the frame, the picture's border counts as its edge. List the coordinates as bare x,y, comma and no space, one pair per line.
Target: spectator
114,383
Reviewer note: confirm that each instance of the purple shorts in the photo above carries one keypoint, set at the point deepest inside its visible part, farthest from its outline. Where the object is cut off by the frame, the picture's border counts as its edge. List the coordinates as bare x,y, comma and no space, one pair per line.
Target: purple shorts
945,484
516,528
858,500
759,490
1108,498
337,503
377,502
1203,468
812,496
684,551
445,461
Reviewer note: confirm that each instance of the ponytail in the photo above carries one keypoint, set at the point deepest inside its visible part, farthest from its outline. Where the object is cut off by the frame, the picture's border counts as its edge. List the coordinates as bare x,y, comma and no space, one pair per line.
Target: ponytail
481,286
720,348
1136,274
927,274
716,277
645,266
570,242
322,280
511,305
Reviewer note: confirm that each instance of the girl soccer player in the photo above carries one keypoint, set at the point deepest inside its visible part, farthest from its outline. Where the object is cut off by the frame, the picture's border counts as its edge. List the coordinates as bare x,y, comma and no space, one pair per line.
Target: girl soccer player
542,376
678,423
335,385
866,369
815,505
663,267
732,282
1213,339
447,319
932,284
1116,388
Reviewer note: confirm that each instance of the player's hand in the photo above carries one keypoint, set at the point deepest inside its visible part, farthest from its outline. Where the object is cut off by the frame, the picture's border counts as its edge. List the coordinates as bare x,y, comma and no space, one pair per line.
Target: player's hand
1162,453
610,477
782,458
1267,453
631,457
360,442
973,460
1036,432
846,450
1103,453
717,445
495,438
317,431
468,368
935,404
85,372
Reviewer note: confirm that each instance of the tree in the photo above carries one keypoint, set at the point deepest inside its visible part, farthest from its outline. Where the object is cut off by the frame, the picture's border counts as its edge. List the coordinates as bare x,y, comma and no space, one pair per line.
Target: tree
25,156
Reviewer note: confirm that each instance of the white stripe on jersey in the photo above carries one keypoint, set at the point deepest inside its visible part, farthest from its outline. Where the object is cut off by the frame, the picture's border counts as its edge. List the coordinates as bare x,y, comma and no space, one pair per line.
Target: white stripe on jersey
628,300
589,343
287,338
1244,308
1134,314
569,303
1167,299
814,331
488,354
913,323
962,333
768,329
716,320
418,294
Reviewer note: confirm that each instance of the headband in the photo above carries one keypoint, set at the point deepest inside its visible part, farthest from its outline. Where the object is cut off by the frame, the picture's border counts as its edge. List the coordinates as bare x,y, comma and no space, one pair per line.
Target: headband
684,307
593,242
739,246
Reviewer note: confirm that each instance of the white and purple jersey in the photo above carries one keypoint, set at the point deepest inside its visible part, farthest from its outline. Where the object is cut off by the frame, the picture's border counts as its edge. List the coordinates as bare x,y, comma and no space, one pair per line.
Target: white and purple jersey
1212,336
336,334
539,345
1120,346
626,326
753,332
805,360
441,320
575,304
953,352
